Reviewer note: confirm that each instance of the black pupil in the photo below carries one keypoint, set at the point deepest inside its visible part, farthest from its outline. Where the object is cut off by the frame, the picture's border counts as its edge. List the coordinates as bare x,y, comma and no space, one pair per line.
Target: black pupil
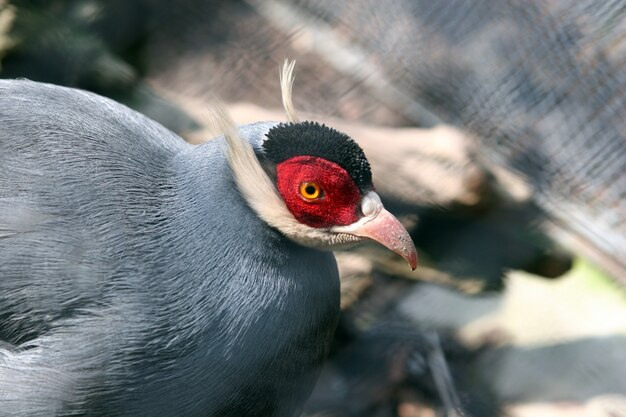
310,189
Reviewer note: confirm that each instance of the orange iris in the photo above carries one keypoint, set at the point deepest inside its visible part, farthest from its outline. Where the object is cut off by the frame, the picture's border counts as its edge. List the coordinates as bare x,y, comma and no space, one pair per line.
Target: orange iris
310,190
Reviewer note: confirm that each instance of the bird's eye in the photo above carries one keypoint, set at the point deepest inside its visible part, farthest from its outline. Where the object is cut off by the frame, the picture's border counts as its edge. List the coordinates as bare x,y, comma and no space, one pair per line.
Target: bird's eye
310,190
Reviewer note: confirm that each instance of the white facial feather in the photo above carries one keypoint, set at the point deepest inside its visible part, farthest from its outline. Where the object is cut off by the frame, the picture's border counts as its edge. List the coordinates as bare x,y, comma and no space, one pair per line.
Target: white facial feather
261,195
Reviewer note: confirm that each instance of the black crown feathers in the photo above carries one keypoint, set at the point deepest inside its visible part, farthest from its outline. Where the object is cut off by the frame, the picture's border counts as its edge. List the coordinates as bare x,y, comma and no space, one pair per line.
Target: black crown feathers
287,140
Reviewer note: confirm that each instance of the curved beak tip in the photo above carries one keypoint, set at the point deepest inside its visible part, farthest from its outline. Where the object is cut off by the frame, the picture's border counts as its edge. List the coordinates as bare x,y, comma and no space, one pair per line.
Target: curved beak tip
408,252
412,260
389,232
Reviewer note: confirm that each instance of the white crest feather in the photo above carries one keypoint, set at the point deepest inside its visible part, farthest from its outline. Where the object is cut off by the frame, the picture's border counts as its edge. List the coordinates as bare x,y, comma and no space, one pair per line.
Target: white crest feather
286,86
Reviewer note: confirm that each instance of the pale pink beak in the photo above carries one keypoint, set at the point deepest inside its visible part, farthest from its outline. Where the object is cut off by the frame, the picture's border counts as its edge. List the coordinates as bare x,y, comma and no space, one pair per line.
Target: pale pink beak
381,226
389,232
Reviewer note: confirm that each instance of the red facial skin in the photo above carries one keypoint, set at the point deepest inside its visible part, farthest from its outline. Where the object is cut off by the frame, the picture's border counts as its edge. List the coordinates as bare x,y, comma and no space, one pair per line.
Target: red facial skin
338,203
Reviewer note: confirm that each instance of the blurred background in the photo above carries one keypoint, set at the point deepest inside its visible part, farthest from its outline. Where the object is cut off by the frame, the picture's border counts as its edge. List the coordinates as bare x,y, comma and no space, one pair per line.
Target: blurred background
496,131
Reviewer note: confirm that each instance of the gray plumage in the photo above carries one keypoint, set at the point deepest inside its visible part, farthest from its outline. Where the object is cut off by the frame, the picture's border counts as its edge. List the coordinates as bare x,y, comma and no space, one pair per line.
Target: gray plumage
134,279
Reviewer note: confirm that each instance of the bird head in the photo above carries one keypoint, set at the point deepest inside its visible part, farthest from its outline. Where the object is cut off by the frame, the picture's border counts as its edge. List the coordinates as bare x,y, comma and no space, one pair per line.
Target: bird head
313,184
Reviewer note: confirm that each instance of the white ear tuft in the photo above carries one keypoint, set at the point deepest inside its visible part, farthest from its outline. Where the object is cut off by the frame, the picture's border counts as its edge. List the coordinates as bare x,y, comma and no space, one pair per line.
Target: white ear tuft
286,87
252,181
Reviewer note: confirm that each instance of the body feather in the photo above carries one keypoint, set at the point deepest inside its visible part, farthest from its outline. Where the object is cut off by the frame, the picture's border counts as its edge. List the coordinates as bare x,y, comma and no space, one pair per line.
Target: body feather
135,279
